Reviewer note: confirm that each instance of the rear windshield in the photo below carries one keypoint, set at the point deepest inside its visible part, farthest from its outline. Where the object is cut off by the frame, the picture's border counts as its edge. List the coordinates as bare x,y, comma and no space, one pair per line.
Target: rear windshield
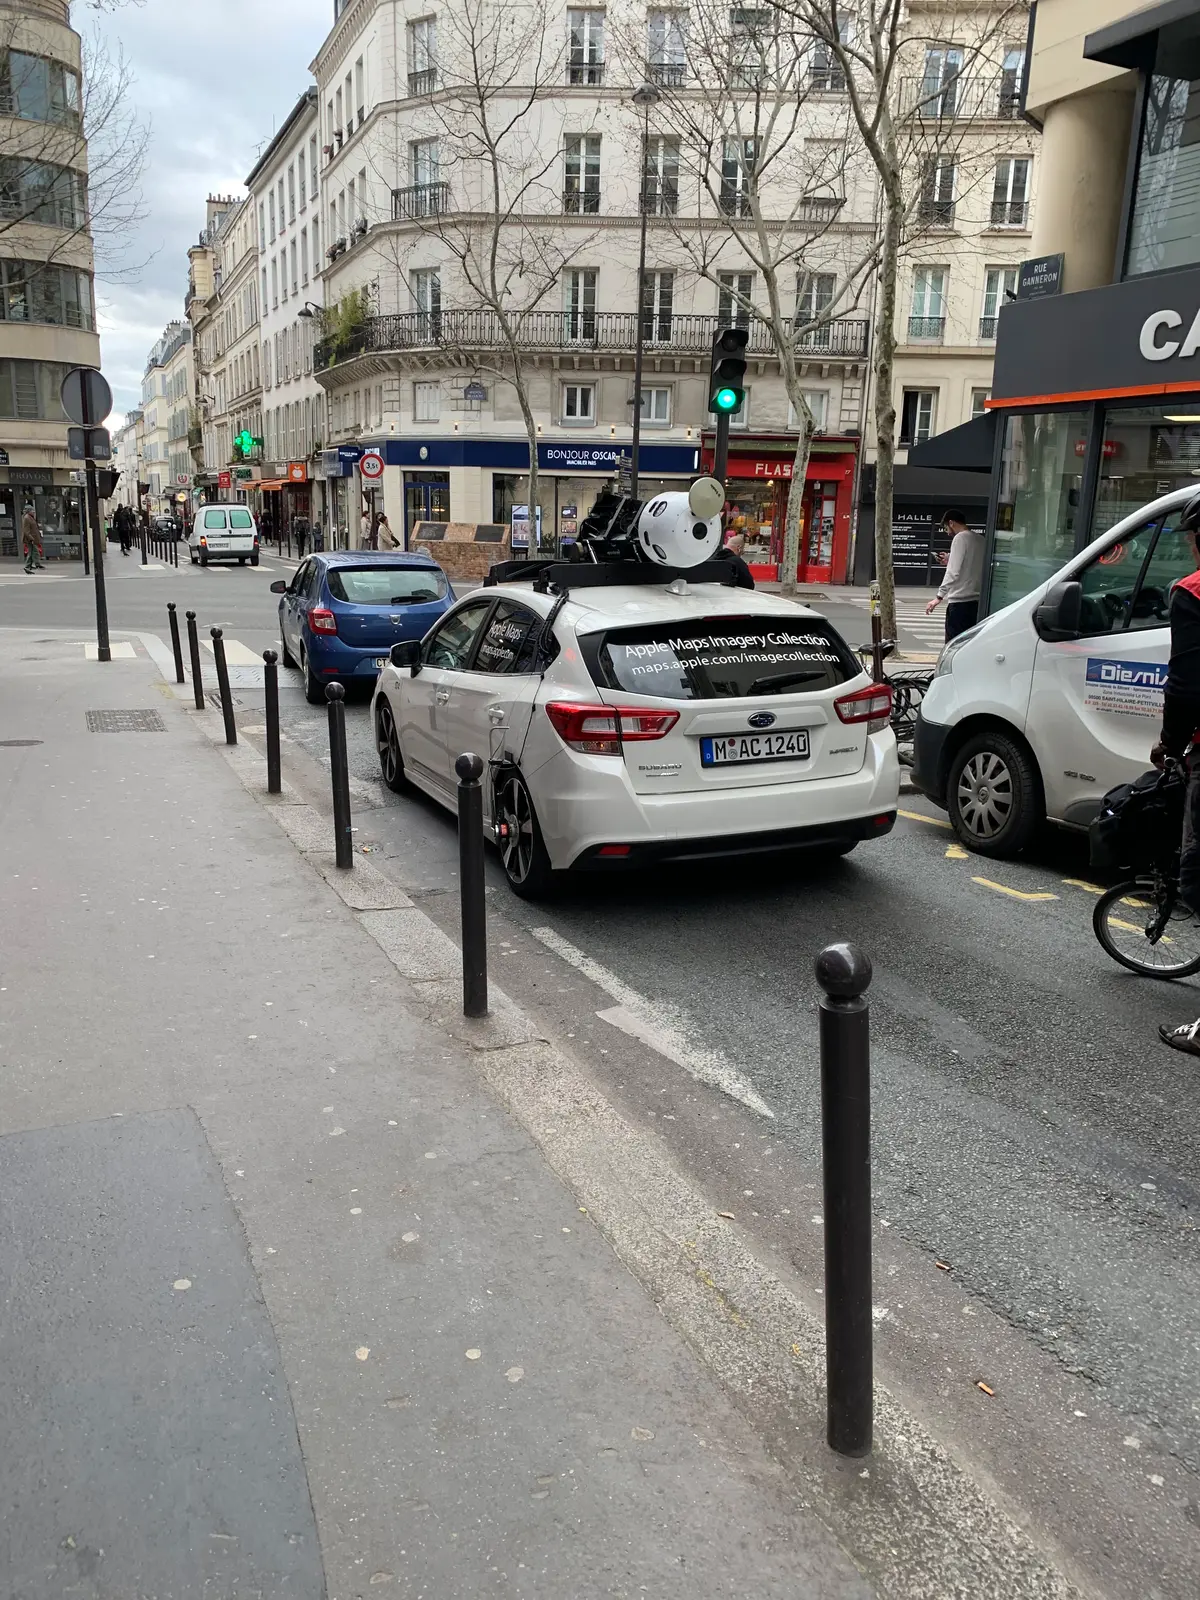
240,519
387,586
214,519
724,658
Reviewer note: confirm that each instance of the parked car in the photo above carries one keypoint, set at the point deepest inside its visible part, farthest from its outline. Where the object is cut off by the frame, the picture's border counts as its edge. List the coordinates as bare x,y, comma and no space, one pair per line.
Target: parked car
223,533
343,611
166,526
627,724
1039,710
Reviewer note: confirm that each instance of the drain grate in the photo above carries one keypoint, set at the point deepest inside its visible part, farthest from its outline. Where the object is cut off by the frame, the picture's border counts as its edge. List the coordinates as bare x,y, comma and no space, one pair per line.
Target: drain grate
17,744
125,722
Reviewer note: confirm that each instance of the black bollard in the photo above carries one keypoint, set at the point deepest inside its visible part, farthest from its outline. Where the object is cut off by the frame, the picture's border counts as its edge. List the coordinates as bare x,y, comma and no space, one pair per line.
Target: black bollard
470,881
844,973
194,652
175,554
144,561
218,639
271,689
343,836
175,645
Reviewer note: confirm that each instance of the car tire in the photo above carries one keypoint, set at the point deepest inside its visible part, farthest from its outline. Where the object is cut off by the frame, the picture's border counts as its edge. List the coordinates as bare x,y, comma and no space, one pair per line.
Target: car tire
286,657
254,559
314,689
387,743
192,553
994,794
523,852
203,558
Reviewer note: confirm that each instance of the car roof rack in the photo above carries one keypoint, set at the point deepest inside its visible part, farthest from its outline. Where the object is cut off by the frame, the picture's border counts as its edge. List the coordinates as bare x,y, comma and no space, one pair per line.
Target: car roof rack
562,576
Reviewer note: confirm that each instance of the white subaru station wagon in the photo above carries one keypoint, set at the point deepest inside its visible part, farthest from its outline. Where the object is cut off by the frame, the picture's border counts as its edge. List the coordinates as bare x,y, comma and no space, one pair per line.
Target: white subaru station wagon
634,723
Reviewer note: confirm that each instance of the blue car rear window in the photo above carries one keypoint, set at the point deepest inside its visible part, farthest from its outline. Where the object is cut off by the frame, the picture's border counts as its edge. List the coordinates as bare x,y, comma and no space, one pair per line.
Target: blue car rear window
387,586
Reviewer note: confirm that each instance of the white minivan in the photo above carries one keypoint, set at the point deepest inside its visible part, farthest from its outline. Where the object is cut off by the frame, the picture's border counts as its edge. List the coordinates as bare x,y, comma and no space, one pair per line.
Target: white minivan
1039,710
223,533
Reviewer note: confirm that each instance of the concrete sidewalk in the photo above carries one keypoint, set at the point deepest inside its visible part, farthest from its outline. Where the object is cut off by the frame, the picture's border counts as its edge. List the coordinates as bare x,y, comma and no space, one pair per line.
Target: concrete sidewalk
293,1306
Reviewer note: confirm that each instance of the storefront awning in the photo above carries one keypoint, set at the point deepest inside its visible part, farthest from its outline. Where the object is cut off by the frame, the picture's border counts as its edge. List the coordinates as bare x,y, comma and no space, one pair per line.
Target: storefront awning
272,483
968,448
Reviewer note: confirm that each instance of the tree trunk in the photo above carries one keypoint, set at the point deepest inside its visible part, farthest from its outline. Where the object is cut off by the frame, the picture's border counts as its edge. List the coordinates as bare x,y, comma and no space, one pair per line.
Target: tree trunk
795,504
531,434
885,406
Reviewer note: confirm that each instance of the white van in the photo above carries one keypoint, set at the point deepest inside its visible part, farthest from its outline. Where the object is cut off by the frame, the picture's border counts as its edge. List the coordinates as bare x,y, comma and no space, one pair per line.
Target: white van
223,533
1038,711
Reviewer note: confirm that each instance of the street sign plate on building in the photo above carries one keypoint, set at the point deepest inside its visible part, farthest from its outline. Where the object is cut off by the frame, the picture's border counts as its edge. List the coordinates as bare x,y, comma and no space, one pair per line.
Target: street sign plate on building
474,391
86,396
371,465
1040,277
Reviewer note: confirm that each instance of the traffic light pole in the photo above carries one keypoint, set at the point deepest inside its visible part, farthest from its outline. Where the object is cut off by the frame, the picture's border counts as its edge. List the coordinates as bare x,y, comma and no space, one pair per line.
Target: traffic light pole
721,447
103,649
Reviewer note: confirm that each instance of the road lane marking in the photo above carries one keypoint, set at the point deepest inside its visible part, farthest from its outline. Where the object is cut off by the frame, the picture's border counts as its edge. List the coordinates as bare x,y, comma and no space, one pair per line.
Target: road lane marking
1082,883
661,1027
955,852
236,653
919,816
1016,894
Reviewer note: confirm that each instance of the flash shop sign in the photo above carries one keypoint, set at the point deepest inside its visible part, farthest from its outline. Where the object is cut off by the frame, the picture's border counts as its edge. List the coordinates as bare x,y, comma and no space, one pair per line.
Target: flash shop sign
1155,341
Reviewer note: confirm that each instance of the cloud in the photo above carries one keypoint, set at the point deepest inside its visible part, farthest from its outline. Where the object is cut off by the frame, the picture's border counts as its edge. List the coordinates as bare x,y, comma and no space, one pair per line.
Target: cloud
215,79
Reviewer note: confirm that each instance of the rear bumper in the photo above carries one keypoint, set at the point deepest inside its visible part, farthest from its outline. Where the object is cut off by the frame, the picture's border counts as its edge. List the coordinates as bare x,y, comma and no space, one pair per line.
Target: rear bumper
331,658
663,851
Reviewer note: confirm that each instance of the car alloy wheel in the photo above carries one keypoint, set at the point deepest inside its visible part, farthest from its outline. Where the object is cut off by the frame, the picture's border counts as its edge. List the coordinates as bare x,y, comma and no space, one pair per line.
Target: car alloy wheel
387,742
985,794
514,812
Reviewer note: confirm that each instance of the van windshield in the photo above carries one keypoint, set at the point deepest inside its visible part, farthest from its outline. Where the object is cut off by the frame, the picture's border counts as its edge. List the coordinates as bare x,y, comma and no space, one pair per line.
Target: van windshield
724,658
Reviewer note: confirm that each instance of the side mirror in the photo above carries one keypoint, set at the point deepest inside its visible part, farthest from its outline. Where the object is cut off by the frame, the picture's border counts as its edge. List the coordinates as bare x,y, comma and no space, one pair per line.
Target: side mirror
279,586
1058,615
406,654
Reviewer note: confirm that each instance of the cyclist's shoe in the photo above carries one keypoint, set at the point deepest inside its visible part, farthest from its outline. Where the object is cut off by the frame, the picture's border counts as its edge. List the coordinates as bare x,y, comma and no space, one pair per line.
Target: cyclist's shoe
1186,1037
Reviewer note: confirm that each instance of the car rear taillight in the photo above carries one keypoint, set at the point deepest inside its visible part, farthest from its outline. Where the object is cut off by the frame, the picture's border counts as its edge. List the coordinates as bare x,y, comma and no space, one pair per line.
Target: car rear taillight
320,620
601,730
872,705
203,540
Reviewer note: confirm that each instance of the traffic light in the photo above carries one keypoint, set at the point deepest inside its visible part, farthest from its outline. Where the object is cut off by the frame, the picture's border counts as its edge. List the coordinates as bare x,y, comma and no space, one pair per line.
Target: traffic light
727,383
106,483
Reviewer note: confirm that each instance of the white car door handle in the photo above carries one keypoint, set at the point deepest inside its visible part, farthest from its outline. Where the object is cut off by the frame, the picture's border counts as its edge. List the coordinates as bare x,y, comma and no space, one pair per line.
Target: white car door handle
495,715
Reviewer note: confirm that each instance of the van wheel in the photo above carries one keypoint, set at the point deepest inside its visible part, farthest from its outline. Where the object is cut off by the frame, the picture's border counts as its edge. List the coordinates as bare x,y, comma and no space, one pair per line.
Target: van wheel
994,794
254,559
203,558
192,553
522,851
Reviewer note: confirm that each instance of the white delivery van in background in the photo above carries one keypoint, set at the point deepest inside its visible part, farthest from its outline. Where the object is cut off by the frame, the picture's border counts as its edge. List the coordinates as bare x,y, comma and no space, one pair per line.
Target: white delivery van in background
1038,711
223,533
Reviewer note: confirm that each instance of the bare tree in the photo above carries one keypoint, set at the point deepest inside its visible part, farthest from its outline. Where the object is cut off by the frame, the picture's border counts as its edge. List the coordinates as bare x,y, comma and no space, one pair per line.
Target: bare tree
770,187
485,184
921,107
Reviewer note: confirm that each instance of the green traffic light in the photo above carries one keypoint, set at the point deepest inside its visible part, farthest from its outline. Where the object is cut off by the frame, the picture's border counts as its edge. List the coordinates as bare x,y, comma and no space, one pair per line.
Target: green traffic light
726,400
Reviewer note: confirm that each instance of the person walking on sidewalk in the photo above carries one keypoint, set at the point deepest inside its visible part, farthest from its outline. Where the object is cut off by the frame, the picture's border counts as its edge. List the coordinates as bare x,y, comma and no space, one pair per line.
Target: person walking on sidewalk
31,540
964,576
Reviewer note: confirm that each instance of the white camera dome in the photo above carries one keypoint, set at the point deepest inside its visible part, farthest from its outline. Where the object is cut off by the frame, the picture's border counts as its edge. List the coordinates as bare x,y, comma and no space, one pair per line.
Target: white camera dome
671,534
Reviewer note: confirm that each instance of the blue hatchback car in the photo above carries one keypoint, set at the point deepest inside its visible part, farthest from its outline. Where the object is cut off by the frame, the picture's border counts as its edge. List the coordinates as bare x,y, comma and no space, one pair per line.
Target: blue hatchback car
342,613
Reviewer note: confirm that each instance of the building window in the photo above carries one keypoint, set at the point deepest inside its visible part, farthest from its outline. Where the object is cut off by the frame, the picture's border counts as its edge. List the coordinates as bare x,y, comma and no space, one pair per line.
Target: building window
295,269
585,47
426,286
427,402
658,295
1011,73
274,282
262,223
979,400
38,90
656,407
734,297
817,401
1164,223
291,183
581,174
917,415
741,419
579,303
579,403
825,74
29,390
312,166
928,317
935,209
660,177
666,47
283,276
271,212
942,80
33,291
282,223
39,191
360,95
422,56
999,285
737,176
814,296
300,183
749,47
304,257
1010,193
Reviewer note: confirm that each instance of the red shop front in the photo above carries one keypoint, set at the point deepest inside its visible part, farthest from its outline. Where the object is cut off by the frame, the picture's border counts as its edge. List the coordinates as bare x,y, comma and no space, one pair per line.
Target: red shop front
758,482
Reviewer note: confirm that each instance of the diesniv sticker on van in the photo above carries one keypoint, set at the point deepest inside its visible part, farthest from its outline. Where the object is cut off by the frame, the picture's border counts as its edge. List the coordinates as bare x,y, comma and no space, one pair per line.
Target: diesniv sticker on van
1131,688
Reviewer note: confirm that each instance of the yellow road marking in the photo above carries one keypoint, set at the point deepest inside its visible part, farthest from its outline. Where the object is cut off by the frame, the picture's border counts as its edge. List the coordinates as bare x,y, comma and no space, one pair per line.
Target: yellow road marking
1016,894
918,816
1138,905
955,852
1082,883
1132,927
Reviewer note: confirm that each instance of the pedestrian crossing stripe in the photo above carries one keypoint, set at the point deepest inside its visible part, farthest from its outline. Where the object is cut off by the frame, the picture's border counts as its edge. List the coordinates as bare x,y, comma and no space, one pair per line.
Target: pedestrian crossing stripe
236,653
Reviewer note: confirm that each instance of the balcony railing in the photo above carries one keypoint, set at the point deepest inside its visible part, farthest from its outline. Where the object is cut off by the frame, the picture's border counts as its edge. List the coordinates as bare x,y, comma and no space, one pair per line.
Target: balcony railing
423,82
926,327
661,199
1010,213
827,80
667,74
987,327
962,99
734,202
420,200
936,213
579,202
459,331
589,73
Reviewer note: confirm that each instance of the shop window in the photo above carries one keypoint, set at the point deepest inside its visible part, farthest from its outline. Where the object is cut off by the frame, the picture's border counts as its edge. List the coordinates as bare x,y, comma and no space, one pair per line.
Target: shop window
979,400
1147,451
918,415
579,404
504,495
427,402
1037,500
1164,226
656,407
1123,590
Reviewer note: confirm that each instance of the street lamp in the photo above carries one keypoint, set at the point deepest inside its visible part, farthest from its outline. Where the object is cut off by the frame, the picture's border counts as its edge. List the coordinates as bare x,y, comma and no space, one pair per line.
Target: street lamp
644,98
309,309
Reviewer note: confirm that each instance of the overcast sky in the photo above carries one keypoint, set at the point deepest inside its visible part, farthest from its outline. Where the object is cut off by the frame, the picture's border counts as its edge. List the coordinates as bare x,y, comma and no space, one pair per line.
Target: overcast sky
215,79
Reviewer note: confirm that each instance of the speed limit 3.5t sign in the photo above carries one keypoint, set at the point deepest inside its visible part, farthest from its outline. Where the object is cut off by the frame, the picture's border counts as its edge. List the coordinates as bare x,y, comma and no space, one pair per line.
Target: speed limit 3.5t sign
371,466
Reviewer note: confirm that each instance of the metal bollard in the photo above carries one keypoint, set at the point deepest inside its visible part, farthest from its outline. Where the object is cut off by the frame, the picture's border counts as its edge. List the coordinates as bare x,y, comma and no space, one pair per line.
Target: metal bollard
343,836
175,555
844,973
470,881
175,645
876,647
194,652
144,561
271,690
218,640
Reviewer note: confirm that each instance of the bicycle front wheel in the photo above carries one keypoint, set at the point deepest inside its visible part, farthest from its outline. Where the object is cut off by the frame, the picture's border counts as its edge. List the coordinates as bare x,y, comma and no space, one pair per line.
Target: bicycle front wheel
1143,925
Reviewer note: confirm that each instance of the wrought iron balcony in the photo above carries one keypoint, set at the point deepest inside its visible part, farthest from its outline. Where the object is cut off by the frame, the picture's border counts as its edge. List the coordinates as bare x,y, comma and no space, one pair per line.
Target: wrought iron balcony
423,82
580,201
420,200
660,198
667,74
936,213
827,80
589,73
926,328
987,327
458,332
1010,213
962,99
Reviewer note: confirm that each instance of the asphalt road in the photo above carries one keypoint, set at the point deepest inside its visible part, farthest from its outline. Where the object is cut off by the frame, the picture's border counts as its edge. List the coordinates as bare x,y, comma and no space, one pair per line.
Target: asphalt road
1035,1150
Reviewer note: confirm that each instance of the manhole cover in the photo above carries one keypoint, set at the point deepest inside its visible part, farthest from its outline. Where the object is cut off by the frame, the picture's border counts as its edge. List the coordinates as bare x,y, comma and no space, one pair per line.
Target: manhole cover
16,744
125,722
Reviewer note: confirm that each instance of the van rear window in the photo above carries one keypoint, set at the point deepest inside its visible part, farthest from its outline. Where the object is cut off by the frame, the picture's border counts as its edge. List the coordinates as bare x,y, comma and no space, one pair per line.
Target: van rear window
724,658
240,519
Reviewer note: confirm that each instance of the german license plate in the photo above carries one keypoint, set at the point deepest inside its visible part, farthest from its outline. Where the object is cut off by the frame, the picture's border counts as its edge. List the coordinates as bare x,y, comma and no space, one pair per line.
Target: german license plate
736,749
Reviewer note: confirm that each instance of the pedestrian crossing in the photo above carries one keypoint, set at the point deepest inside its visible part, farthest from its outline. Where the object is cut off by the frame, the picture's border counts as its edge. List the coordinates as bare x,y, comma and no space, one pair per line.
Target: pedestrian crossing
911,621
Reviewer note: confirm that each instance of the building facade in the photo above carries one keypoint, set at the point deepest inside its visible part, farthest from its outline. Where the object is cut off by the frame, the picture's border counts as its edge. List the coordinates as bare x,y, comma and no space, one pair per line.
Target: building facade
47,315
125,461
